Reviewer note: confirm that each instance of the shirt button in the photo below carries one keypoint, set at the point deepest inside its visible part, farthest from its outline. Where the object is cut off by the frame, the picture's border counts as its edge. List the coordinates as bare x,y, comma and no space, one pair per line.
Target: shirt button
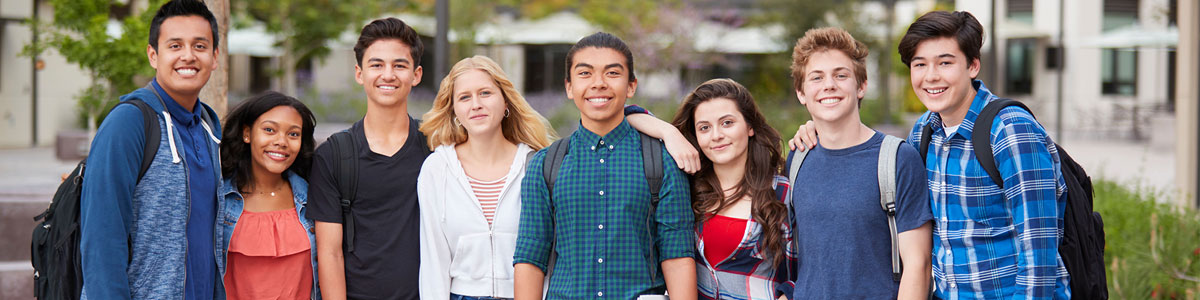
601,193
610,147
601,260
599,294
593,148
601,160
601,227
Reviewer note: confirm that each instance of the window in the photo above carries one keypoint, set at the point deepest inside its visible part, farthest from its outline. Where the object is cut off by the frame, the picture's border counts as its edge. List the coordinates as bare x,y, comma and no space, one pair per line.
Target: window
1019,66
545,68
1118,69
1020,11
1120,13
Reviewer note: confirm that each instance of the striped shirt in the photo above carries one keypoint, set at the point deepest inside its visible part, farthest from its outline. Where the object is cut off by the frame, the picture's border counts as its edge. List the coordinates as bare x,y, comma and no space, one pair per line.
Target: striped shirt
992,243
748,274
488,193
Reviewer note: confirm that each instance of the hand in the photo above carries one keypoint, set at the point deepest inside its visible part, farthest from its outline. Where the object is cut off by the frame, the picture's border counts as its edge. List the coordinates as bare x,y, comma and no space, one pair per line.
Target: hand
806,137
686,156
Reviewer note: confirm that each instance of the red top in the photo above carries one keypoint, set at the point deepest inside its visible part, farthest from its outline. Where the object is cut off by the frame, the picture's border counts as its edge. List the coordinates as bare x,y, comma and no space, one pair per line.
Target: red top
722,235
269,257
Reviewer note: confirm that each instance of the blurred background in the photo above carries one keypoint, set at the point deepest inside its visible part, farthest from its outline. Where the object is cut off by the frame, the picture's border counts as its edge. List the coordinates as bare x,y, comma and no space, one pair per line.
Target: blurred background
1115,81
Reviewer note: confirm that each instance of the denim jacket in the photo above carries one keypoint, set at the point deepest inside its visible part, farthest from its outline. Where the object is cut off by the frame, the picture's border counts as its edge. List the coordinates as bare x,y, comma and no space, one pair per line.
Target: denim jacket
229,210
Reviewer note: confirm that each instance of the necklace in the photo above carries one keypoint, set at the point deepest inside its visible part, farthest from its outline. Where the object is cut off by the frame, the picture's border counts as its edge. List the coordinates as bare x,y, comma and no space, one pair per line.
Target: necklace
272,193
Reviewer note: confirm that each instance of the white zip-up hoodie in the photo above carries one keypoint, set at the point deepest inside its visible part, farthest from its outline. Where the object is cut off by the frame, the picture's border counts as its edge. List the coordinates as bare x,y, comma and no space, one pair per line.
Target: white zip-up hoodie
460,253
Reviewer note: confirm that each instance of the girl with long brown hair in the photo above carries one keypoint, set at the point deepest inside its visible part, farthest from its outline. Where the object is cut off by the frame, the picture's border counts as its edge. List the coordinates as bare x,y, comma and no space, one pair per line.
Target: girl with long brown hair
741,222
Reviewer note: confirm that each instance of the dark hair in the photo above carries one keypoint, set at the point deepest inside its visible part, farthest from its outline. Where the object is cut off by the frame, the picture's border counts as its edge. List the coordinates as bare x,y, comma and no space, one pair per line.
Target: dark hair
235,153
763,162
602,40
385,29
960,25
177,8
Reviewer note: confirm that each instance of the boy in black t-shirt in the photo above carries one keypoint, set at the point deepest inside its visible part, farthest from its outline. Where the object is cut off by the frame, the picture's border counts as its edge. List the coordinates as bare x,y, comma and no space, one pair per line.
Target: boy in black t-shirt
385,259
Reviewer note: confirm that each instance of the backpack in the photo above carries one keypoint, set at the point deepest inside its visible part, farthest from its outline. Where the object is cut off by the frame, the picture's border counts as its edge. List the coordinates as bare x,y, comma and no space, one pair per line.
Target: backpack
345,168
886,175
1082,247
652,160
54,253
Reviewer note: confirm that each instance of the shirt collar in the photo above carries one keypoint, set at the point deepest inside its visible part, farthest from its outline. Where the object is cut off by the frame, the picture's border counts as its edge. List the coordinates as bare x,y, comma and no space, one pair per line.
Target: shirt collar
178,113
588,139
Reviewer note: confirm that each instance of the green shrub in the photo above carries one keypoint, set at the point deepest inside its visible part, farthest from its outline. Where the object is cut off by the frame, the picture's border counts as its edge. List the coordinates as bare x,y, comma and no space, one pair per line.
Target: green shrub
1152,247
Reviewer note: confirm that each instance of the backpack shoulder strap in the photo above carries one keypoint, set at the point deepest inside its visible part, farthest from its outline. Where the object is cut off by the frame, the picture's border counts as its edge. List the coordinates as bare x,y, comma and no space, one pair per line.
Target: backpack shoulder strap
554,159
926,138
346,168
793,170
887,194
981,136
652,160
153,134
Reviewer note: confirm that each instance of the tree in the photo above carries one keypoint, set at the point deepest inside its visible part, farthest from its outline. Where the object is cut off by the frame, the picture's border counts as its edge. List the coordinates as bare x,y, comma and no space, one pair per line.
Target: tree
304,26
116,64
216,92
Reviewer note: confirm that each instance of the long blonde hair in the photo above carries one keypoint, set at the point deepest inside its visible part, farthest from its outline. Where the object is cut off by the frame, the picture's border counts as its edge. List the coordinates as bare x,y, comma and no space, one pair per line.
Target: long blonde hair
523,125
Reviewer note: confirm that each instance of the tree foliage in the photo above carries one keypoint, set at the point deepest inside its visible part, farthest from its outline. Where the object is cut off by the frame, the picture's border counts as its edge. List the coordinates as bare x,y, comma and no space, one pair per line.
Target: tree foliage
304,26
79,32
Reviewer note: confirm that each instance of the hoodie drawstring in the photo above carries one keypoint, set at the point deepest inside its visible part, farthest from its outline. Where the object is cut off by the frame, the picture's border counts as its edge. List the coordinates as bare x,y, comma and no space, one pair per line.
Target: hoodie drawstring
171,136
210,132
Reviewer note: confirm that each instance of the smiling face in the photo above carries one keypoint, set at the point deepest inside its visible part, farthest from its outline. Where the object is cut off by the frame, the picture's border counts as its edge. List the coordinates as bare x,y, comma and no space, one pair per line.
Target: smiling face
185,56
829,90
599,84
941,77
387,72
478,103
274,140
722,132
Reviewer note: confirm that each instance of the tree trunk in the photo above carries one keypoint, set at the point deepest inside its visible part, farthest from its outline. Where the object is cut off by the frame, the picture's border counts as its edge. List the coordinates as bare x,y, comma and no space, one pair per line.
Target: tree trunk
215,93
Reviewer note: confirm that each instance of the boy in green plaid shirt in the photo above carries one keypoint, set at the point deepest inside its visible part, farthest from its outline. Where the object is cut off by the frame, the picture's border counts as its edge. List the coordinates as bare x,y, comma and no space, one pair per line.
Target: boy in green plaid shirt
598,217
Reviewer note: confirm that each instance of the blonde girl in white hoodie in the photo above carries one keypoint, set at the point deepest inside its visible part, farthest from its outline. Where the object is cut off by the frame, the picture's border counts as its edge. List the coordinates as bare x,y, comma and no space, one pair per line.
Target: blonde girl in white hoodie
470,187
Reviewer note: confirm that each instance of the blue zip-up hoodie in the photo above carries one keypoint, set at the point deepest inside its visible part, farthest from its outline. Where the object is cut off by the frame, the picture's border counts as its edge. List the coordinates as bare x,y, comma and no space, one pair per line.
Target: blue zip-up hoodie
133,239
230,205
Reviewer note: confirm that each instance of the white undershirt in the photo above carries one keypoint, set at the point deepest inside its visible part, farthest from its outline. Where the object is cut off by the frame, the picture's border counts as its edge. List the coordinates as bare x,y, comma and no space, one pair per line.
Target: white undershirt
951,129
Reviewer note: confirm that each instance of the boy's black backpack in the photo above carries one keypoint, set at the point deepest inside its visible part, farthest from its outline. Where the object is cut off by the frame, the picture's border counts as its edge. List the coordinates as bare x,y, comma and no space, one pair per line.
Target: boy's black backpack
1082,247
57,270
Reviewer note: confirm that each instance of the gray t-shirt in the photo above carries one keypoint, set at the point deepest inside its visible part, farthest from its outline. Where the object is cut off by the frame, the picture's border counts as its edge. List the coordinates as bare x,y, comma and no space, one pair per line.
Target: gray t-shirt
844,244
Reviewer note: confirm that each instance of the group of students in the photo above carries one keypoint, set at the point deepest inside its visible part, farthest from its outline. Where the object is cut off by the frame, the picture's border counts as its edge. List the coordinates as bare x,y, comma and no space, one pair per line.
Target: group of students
474,201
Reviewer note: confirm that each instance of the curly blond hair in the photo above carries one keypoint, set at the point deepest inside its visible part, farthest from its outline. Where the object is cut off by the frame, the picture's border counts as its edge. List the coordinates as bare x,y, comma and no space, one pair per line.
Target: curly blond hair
828,38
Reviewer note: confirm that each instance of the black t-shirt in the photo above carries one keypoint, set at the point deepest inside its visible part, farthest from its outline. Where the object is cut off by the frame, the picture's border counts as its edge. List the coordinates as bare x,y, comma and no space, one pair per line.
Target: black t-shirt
387,221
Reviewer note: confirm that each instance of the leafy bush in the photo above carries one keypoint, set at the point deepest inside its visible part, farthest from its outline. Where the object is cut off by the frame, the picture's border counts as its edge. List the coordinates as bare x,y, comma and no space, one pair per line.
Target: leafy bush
1152,247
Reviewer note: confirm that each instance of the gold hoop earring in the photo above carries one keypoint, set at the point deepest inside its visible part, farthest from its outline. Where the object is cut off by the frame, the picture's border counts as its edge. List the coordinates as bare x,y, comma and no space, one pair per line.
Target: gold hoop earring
456,122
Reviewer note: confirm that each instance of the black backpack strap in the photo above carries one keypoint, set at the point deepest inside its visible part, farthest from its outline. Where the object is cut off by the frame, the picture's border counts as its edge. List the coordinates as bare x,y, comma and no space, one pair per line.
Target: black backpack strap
346,169
555,155
152,134
981,136
926,138
652,160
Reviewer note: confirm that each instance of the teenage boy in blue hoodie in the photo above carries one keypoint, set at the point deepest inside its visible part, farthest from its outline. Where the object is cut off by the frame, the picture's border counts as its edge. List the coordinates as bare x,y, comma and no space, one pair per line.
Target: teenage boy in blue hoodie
152,237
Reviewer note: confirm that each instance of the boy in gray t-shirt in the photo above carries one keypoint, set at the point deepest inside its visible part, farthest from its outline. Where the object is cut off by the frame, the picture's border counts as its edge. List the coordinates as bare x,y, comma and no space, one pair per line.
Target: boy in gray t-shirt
843,241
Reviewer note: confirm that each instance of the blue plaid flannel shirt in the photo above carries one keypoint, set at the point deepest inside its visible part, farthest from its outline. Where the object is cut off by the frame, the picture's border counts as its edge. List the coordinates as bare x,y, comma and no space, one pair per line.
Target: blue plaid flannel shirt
990,243
598,219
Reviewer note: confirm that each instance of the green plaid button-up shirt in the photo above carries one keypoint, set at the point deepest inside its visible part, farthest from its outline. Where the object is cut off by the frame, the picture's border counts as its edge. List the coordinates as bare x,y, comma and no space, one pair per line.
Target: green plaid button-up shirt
597,222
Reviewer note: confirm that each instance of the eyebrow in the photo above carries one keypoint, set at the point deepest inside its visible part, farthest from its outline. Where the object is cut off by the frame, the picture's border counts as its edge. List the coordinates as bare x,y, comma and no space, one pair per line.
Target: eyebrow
943,55
398,60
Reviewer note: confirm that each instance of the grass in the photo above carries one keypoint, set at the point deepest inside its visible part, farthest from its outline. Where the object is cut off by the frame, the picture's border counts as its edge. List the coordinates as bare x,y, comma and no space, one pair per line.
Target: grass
1152,247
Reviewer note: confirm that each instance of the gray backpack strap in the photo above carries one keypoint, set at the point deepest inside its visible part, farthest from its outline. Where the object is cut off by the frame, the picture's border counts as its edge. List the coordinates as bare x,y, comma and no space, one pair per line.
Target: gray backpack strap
887,194
793,169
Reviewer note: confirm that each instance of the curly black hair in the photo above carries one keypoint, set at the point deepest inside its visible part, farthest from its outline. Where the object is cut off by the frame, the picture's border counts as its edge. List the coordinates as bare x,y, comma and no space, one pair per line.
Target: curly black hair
235,154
